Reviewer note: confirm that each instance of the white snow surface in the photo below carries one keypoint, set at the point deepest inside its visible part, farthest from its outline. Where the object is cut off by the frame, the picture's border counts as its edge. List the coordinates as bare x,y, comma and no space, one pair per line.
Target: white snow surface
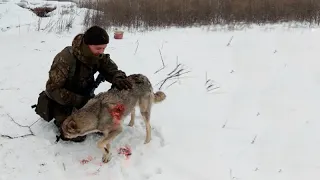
260,121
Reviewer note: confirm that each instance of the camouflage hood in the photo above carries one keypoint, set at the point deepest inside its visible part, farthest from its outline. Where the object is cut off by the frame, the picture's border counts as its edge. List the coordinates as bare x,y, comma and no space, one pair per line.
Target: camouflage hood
82,51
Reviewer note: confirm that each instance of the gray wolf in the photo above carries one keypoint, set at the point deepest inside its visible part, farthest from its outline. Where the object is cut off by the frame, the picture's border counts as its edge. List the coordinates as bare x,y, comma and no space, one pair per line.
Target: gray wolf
105,112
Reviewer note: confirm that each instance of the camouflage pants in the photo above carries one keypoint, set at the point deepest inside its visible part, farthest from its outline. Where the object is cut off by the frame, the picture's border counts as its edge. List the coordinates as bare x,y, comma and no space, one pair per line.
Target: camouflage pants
60,113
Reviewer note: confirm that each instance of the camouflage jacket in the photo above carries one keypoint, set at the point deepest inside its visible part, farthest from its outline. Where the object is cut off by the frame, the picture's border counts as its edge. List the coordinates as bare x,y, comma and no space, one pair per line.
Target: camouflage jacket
72,93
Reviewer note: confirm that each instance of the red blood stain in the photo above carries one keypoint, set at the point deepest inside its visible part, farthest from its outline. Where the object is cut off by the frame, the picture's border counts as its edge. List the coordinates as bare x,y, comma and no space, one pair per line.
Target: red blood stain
87,160
126,151
117,113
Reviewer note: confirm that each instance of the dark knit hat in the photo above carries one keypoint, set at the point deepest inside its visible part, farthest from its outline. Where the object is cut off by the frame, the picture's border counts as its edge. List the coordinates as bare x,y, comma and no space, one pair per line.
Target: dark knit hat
95,35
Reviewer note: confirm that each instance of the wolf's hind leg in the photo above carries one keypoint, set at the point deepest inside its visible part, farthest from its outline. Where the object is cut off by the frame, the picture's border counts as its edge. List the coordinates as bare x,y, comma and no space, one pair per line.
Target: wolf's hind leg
145,104
133,116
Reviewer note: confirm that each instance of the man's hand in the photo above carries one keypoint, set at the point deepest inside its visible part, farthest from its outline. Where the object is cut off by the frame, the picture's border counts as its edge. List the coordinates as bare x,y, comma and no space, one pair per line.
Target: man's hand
122,83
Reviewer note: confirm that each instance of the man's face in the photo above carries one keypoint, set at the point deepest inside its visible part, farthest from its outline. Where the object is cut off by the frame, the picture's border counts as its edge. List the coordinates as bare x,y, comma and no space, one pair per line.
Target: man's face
97,49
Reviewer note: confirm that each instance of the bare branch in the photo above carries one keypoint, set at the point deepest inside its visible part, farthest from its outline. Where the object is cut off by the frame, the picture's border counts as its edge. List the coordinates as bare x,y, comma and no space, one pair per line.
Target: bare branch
230,41
22,126
177,72
254,139
159,70
211,88
64,166
207,80
12,120
163,65
224,125
210,84
34,122
15,137
162,44
171,84
161,58
136,47
178,65
230,174
171,77
9,89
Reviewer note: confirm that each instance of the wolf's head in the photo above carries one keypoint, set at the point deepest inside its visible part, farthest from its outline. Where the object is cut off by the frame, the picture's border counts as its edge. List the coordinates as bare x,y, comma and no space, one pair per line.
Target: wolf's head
69,128
79,123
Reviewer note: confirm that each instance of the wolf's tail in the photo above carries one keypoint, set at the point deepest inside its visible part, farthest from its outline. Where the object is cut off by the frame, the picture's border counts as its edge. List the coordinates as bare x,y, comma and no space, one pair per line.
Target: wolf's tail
159,96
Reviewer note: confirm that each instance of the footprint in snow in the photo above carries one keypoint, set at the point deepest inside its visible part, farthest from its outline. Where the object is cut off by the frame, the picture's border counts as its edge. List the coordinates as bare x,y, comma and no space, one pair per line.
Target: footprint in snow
149,175
158,134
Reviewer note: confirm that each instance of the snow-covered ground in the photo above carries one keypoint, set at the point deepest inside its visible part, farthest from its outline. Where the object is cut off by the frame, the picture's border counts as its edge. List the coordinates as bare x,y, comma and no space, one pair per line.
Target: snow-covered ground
259,121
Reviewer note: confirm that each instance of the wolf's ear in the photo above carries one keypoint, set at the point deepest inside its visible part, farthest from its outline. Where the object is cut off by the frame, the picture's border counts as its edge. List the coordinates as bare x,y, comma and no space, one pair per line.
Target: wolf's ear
72,126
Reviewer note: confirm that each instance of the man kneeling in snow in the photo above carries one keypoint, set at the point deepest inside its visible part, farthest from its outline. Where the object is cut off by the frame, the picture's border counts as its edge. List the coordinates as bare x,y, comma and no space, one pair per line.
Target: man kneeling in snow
71,77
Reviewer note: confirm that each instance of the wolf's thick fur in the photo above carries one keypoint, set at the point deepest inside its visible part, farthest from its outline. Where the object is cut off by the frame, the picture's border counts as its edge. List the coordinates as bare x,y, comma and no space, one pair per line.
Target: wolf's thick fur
96,115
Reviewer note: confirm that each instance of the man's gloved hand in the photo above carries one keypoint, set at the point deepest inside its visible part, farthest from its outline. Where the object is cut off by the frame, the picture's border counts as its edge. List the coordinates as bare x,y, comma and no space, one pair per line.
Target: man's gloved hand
122,83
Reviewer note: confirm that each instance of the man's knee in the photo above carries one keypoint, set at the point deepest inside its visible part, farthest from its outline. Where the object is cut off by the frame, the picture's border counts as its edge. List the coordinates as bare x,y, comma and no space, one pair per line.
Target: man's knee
58,120
60,114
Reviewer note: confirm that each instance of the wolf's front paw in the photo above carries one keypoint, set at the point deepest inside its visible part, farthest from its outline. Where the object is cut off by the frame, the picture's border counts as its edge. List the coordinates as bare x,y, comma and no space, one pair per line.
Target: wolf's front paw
106,158
131,123
147,140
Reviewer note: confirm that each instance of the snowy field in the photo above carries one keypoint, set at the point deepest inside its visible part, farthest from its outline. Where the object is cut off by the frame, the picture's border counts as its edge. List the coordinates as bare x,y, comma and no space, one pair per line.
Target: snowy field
246,108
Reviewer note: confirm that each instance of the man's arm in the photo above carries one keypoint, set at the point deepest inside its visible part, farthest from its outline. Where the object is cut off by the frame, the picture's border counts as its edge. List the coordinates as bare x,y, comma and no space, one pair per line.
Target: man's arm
58,76
110,70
